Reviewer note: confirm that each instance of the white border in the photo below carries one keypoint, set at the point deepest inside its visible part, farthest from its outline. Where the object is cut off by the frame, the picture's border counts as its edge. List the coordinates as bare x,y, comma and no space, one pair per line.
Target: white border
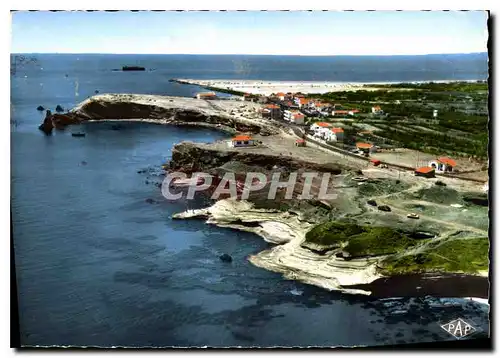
184,5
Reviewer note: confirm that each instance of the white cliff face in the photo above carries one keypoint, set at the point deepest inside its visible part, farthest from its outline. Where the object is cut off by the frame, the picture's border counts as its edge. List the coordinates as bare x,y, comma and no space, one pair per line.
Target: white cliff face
289,258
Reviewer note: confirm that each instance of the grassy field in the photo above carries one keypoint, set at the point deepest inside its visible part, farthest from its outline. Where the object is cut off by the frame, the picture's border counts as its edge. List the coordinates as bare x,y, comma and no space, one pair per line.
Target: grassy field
456,255
359,241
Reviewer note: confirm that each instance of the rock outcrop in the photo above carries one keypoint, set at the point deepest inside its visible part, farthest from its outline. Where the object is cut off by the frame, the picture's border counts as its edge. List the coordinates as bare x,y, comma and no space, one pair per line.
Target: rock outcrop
191,157
161,110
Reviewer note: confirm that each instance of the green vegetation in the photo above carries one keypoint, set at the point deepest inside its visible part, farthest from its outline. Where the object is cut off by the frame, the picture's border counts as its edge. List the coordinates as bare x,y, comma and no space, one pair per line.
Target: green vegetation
359,240
378,241
456,255
460,128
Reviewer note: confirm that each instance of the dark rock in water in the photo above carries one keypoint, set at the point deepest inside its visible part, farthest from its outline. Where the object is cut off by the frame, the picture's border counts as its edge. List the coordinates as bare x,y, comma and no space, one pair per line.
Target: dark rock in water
84,162
47,126
147,182
225,258
79,134
40,108
158,185
384,208
66,75
141,171
96,91
151,201
372,202
59,108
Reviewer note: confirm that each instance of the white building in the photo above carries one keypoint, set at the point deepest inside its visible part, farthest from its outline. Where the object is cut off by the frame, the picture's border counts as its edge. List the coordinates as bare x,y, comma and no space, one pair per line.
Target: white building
335,135
293,116
377,110
321,129
241,141
435,113
442,165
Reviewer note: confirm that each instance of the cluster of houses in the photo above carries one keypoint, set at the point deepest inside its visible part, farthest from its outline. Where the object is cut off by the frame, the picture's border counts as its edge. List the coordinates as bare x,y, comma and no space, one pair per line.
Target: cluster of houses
327,132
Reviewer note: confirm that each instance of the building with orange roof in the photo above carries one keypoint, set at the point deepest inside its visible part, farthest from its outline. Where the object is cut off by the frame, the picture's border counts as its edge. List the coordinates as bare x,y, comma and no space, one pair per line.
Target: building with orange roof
321,130
281,96
427,172
366,148
206,95
301,101
293,116
340,112
241,141
377,110
335,134
443,164
271,111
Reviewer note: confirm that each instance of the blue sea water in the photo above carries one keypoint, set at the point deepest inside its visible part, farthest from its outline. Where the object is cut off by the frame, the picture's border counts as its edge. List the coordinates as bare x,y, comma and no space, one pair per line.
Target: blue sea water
97,265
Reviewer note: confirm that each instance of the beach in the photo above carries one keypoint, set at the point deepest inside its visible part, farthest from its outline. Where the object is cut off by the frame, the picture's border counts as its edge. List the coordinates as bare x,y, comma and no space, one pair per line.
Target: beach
263,87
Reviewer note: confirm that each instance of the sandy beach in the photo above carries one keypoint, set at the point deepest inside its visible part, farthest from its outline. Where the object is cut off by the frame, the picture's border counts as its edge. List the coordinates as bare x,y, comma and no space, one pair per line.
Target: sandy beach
268,87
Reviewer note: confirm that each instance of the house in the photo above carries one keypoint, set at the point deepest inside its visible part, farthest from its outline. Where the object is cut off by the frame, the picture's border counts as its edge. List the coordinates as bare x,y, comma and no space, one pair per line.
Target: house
271,111
335,135
427,172
301,101
443,165
293,116
377,110
241,141
206,95
281,96
366,148
339,112
321,129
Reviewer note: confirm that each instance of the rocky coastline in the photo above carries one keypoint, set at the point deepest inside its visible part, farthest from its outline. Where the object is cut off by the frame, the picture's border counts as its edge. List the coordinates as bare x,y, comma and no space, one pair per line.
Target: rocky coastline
285,223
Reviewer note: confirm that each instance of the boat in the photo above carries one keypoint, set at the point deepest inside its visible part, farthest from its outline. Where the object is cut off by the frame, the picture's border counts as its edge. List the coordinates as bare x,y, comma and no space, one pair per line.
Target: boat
80,134
133,68
413,216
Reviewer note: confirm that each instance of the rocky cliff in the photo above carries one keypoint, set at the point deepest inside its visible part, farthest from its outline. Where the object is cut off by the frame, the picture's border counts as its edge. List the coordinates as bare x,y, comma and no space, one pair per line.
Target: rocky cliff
158,109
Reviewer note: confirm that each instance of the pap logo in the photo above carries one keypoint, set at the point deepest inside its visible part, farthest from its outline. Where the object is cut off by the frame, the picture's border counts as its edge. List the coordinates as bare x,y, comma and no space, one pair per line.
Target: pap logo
458,328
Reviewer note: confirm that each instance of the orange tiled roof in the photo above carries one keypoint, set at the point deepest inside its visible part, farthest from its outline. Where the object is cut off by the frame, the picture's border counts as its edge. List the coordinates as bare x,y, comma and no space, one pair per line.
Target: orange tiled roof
323,124
424,170
272,106
303,101
241,137
337,130
280,94
376,108
364,145
447,161
341,112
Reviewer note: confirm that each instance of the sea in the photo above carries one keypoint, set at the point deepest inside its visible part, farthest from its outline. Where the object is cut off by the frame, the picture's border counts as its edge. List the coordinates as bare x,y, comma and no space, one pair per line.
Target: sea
98,259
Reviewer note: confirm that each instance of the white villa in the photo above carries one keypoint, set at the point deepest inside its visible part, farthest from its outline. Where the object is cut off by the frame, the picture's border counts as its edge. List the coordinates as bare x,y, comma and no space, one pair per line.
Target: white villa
293,116
443,165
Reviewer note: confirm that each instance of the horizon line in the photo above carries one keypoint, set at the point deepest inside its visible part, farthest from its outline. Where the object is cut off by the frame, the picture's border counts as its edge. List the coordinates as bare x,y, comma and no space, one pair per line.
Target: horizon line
239,54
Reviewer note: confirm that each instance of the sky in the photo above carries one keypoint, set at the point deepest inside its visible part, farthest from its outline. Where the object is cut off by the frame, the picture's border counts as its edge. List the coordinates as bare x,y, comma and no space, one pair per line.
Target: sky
256,33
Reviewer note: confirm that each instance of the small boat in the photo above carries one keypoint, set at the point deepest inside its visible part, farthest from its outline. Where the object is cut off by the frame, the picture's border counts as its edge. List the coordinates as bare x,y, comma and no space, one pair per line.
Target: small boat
79,134
413,216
